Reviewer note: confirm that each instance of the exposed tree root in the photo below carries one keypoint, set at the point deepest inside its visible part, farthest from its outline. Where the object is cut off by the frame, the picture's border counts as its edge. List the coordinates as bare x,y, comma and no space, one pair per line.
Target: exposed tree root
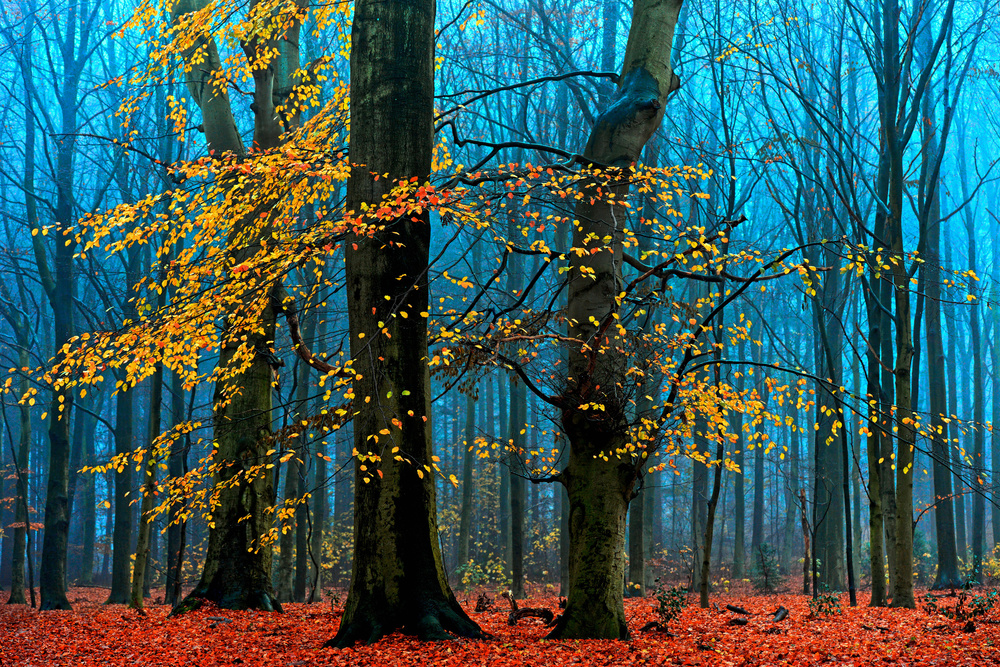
261,600
430,621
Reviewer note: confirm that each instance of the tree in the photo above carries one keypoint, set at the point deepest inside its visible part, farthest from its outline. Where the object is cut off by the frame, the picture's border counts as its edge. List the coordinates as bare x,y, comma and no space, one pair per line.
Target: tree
600,489
237,571
398,577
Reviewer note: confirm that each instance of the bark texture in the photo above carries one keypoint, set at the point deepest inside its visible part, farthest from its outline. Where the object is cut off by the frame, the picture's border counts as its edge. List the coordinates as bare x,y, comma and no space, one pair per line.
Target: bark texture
599,483
398,578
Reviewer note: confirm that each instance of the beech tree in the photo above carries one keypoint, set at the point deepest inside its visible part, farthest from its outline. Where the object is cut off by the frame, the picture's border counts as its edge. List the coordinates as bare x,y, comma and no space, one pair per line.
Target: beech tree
398,578
599,487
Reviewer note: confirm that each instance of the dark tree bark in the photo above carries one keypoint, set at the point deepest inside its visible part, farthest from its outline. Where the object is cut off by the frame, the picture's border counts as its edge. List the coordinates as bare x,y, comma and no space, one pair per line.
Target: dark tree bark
929,214
468,457
739,488
398,578
143,541
121,540
978,381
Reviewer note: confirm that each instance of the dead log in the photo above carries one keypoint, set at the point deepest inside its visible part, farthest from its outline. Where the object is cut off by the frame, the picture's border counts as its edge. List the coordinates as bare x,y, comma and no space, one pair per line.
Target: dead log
484,603
780,615
517,614
739,620
738,610
655,626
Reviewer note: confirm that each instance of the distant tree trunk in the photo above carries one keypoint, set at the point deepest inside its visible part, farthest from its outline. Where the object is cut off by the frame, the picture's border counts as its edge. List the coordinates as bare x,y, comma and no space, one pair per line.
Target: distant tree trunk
563,538
757,532
18,321
88,503
930,214
791,483
650,511
699,502
121,540
8,512
995,413
978,389
503,424
22,467
468,458
717,467
952,434
286,542
320,512
739,487
142,549
176,468
398,577
636,547
517,487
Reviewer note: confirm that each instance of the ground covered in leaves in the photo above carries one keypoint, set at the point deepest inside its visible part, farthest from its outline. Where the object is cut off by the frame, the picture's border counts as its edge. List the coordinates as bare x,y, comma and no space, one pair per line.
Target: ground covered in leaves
99,634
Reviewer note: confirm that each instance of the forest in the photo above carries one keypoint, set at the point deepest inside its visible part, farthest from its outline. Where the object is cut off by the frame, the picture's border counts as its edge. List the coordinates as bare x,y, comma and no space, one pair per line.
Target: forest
531,324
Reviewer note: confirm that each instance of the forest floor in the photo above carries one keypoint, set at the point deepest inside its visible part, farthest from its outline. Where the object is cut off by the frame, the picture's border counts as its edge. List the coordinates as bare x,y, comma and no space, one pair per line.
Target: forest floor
99,634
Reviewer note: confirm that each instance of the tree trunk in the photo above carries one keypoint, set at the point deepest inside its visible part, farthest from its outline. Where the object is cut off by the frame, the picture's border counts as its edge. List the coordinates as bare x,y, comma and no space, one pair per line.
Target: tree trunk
237,570
142,549
739,490
60,287
637,547
22,468
286,543
757,532
468,458
944,516
121,541
515,473
995,432
598,498
398,578
954,461
599,490
978,389
176,468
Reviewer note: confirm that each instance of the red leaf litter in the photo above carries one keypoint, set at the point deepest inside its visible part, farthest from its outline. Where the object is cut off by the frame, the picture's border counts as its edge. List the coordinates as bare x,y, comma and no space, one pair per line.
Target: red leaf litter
98,634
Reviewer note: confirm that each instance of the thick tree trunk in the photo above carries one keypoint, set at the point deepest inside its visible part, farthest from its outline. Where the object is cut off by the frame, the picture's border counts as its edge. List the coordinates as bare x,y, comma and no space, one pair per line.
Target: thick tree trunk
598,492
60,287
237,571
398,578
600,487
